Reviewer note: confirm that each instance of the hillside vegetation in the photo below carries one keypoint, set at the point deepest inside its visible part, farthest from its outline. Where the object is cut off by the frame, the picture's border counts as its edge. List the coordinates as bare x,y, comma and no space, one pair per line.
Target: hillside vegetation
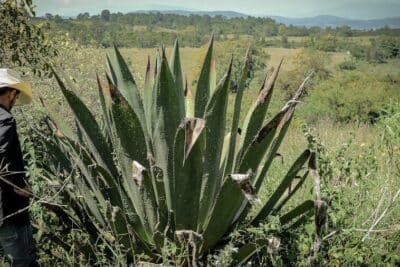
349,116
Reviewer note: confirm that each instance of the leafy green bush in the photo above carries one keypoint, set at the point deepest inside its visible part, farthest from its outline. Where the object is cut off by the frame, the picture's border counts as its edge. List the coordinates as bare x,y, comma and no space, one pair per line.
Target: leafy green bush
361,183
379,50
348,65
22,43
352,96
306,61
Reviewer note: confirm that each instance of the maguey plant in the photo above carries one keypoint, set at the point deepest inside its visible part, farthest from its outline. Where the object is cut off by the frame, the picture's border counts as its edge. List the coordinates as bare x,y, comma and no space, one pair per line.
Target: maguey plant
163,166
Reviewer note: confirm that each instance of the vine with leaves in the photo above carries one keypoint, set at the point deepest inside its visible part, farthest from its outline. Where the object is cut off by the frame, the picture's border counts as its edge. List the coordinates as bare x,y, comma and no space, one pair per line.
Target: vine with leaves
22,43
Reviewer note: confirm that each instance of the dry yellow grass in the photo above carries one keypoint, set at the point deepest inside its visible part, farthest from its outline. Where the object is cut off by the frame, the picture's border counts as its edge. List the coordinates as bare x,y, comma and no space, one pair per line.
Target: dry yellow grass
290,55
139,28
137,58
80,67
278,53
295,39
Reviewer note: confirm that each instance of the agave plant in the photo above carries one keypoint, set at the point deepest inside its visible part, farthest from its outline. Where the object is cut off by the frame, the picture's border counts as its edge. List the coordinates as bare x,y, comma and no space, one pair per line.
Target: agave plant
163,165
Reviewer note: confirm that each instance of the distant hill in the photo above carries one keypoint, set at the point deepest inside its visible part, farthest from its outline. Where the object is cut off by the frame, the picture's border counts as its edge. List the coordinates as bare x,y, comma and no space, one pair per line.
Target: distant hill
361,10
226,14
333,21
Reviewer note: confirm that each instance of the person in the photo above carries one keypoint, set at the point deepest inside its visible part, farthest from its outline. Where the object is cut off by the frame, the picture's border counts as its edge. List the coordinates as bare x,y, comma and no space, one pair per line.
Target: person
16,238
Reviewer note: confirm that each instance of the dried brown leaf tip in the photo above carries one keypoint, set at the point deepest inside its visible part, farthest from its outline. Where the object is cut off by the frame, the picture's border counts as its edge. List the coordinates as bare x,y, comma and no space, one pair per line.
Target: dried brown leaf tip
103,86
213,63
114,93
268,85
193,129
245,184
56,130
58,133
148,67
187,92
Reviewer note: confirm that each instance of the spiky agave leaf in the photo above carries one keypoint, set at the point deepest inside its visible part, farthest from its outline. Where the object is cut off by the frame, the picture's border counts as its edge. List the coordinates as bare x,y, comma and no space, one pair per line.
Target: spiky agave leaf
230,200
147,95
273,201
283,127
205,82
278,135
167,114
130,151
94,204
189,102
87,123
123,79
236,114
176,69
256,115
215,117
188,173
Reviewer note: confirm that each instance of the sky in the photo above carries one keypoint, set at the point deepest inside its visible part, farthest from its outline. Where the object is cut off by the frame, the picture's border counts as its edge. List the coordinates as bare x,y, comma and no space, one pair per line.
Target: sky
359,9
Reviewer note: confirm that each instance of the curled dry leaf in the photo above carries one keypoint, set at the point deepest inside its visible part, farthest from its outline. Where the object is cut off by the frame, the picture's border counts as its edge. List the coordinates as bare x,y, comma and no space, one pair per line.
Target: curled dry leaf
245,184
274,244
137,173
114,212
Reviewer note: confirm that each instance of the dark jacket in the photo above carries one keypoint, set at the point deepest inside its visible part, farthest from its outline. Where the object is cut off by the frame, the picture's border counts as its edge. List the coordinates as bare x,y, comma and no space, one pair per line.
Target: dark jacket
12,169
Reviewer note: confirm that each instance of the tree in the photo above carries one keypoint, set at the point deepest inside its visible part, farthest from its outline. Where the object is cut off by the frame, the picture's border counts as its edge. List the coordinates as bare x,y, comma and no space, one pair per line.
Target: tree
285,41
58,18
282,30
83,16
105,15
22,43
49,16
345,31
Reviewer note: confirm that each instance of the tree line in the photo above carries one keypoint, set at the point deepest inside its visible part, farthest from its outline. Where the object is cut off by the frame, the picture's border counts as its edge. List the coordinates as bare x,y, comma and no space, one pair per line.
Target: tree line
150,29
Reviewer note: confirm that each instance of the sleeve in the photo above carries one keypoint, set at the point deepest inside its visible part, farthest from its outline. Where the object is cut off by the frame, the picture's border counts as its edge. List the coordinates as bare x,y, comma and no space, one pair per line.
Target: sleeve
8,162
7,134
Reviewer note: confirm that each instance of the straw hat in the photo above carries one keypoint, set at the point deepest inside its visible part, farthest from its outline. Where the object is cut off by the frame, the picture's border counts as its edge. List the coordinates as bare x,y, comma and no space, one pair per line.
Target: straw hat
10,78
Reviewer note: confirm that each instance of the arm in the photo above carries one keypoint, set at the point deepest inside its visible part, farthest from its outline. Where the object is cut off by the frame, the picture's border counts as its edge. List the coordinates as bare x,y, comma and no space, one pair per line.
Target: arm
10,159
